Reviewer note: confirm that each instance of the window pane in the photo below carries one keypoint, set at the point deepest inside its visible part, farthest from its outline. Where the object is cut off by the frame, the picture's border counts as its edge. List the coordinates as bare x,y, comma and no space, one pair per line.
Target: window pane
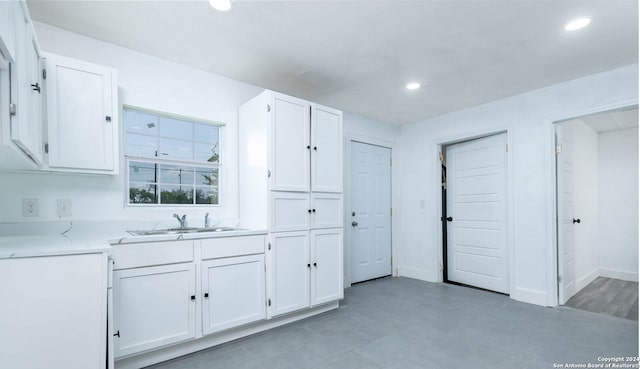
143,193
175,128
138,145
207,195
137,122
206,152
176,174
175,149
207,176
142,172
206,132
176,194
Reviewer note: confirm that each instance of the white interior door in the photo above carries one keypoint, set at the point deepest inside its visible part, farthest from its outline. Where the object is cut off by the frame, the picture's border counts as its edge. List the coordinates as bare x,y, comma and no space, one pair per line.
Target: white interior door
477,206
565,181
370,211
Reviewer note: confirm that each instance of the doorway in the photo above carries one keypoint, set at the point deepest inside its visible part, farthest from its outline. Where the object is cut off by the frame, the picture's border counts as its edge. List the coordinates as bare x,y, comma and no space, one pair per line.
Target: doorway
370,212
475,213
597,211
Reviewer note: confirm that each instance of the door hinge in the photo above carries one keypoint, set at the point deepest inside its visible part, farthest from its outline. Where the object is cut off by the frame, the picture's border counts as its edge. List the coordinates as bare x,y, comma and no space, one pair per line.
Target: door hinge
12,109
558,149
391,211
44,74
268,302
391,261
268,173
441,157
390,162
559,279
269,246
268,108
46,148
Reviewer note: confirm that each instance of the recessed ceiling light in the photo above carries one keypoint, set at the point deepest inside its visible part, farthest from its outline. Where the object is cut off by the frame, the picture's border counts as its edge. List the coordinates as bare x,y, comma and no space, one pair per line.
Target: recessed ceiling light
221,5
577,24
413,85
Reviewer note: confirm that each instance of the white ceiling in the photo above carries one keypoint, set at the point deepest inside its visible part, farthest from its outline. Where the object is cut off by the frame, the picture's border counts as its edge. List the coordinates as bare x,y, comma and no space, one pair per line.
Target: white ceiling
358,55
612,120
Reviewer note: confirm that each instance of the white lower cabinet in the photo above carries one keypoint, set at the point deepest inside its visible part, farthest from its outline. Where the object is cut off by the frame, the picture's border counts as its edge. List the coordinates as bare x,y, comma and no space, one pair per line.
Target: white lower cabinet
53,312
233,292
304,269
153,307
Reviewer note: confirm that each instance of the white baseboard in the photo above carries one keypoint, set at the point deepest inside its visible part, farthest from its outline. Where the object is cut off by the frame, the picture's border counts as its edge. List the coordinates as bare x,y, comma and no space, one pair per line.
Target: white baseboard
415,273
584,281
535,297
619,274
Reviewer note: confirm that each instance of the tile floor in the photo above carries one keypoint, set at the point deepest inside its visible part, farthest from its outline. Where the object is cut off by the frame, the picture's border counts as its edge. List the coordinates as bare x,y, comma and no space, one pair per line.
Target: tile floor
608,296
401,323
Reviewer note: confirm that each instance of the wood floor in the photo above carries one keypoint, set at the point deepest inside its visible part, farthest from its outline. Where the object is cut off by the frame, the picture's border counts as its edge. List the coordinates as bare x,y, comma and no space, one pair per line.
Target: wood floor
608,296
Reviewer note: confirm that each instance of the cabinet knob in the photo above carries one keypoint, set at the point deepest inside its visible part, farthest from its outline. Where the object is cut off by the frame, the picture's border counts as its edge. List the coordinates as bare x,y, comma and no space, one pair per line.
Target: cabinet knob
107,118
308,265
315,148
314,210
309,211
206,295
193,297
315,265
308,147
576,220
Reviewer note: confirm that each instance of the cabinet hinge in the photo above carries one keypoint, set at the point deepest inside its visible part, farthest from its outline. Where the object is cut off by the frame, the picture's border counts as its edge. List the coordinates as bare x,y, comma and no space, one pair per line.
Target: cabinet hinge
269,246
46,148
268,108
44,74
268,302
507,147
559,279
268,173
12,109
558,149
391,261
391,211
390,162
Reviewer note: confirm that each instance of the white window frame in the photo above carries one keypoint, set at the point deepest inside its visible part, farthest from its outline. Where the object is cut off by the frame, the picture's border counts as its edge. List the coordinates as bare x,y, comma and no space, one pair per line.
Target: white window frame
160,161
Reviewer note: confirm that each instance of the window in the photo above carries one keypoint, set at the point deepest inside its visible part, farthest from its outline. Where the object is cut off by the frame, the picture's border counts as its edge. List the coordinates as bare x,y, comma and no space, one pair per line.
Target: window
171,160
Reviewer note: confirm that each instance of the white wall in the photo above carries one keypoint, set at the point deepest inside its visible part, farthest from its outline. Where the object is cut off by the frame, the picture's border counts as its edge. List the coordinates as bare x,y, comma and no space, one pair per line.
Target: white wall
618,198
363,129
585,156
527,120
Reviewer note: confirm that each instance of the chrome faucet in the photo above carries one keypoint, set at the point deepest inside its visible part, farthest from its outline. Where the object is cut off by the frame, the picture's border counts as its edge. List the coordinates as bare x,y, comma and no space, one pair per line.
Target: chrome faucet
182,220
206,220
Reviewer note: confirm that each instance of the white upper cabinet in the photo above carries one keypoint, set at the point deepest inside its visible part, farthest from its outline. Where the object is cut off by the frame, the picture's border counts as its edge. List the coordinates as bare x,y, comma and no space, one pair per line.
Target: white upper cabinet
289,144
82,116
21,93
326,149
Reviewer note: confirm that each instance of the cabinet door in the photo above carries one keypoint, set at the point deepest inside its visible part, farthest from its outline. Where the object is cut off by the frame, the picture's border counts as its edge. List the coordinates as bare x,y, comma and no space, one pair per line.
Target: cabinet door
27,94
326,153
233,292
82,119
326,210
153,307
290,211
327,266
288,272
289,144
54,312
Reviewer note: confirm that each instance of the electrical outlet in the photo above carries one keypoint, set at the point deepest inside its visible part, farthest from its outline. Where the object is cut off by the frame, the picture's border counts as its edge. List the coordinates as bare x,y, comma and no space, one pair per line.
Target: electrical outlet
64,207
30,208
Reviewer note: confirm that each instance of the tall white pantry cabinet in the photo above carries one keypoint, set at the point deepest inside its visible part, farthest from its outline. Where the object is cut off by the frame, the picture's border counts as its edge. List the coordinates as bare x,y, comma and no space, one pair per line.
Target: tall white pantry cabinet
290,154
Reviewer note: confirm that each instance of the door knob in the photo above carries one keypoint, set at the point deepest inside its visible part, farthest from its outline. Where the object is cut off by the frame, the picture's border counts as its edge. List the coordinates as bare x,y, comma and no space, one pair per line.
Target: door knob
576,220
449,219
354,223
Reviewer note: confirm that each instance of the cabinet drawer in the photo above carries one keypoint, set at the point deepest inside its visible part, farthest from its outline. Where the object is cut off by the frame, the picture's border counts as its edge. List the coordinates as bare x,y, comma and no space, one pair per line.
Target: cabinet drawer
232,246
148,254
